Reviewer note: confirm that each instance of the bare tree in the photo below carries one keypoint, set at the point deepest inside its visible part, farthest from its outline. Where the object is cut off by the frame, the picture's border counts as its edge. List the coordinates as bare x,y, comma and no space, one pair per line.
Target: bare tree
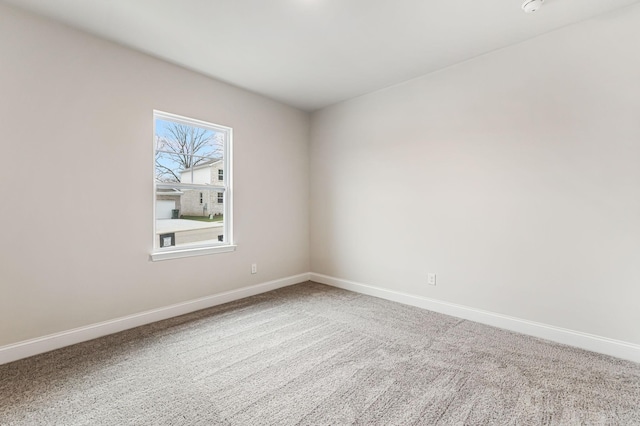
183,147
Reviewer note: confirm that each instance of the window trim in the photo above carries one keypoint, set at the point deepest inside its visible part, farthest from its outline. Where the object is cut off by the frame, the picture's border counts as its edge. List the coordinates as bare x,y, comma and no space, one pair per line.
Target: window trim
174,252
190,252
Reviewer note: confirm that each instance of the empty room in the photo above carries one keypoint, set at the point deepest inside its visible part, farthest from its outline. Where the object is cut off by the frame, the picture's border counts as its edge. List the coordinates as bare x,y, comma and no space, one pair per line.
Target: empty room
320,212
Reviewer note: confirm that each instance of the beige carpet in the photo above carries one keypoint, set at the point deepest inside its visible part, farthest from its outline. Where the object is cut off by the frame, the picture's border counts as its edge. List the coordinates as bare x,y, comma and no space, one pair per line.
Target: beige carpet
315,355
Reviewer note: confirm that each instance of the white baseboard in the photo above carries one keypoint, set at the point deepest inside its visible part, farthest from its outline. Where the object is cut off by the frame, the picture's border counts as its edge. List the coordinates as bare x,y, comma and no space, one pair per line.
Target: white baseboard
616,348
48,343
590,342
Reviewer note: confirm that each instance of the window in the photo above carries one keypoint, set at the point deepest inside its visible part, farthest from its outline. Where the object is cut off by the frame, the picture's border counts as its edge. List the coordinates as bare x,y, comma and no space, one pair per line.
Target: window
192,209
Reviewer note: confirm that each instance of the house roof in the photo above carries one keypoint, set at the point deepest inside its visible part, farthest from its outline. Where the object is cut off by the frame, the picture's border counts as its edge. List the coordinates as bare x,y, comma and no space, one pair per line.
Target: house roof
204,165
168,191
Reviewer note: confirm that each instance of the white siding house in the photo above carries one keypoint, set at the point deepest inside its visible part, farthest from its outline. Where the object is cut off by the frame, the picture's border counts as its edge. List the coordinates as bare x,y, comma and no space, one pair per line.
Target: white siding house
198,202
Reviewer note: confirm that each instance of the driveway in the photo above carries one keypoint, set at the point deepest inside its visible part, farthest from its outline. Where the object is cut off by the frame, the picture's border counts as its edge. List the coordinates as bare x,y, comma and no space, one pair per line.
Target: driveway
164,226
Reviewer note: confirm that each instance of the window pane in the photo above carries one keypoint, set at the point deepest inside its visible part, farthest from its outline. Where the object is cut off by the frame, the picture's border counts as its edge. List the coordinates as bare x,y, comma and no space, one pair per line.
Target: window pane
190,183
188,217
184,151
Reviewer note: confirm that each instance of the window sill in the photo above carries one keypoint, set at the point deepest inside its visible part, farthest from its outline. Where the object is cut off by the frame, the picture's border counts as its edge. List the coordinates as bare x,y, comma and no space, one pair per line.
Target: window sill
200,251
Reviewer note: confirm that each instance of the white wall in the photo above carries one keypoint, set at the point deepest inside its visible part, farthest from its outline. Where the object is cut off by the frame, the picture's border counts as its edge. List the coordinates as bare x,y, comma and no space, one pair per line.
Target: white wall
76,123
514,176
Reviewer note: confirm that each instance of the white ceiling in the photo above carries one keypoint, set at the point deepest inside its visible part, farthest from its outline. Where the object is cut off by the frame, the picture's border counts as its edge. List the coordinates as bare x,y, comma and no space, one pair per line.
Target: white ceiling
313,53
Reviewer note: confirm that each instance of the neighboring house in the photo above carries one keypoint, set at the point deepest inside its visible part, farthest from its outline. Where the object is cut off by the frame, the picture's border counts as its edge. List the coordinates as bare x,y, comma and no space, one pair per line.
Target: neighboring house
202,202
167,200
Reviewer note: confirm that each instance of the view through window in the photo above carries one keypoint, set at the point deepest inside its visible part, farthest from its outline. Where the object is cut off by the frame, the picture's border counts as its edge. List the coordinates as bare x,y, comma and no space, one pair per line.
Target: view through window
192,191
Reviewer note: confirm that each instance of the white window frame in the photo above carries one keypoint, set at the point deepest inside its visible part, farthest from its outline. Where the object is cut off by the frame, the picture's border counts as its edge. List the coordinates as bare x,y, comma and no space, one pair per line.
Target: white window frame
221,186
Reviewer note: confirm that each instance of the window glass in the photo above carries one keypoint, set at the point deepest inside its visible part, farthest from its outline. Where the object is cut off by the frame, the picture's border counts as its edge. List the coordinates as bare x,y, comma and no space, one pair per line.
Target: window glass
192,195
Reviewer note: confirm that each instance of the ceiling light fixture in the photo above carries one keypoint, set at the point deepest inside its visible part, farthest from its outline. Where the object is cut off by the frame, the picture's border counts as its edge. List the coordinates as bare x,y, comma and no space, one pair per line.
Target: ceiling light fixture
530,6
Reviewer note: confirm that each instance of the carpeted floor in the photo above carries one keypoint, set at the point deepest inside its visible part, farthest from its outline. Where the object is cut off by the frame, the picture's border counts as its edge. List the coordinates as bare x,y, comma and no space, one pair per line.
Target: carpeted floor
316,355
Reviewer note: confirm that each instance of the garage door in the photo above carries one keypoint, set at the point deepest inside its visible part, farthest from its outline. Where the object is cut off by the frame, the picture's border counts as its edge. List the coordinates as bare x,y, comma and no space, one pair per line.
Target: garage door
163,209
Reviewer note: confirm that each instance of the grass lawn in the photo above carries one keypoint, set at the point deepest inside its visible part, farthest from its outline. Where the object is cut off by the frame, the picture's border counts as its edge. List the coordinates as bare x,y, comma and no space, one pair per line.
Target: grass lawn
203,218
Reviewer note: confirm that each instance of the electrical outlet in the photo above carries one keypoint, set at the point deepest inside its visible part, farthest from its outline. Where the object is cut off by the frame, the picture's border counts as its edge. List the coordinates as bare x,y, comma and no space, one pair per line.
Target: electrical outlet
431,279
254,268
